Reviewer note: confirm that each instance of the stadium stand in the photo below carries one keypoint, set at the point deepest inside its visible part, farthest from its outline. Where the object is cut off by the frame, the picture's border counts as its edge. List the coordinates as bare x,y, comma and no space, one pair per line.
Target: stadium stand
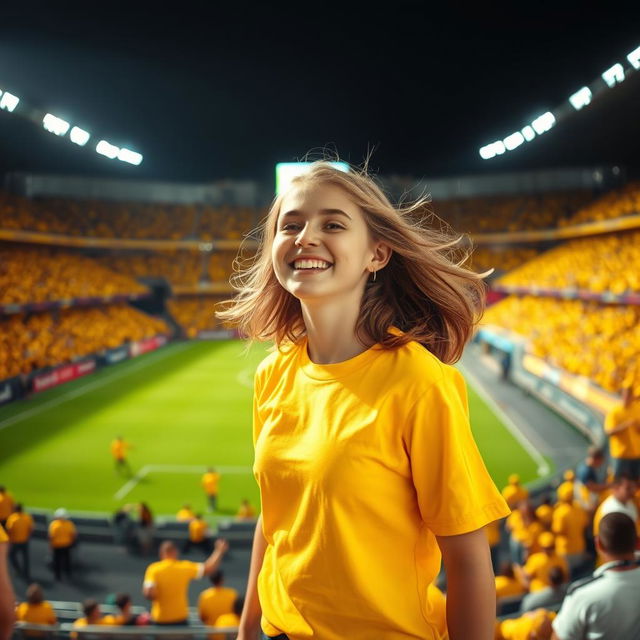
618,203
195,314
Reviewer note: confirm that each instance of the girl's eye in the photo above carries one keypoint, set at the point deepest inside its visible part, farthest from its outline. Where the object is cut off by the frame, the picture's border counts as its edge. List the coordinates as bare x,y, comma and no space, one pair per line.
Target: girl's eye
290,226
334,225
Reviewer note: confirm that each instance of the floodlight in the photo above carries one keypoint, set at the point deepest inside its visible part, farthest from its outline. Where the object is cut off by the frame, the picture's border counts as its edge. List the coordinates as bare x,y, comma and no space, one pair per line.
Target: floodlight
528,133
106,149
9,102
79,136
634,58
614,75
498,147
287,171
487,152
513,141
55,125
544,122
580,98
126,155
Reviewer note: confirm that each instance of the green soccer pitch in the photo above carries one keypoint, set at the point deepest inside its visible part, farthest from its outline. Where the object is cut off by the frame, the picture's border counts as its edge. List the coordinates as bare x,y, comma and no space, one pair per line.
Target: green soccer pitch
184,407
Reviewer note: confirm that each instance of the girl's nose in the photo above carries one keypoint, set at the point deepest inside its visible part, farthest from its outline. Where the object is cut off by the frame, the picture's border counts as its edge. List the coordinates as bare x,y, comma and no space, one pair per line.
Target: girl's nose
306,236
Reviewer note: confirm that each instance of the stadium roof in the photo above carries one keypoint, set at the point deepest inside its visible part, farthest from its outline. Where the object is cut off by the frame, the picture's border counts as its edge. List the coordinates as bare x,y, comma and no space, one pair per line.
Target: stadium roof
213,91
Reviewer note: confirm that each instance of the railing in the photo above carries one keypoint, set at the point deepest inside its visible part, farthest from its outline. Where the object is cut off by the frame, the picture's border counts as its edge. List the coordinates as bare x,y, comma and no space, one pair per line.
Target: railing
64,630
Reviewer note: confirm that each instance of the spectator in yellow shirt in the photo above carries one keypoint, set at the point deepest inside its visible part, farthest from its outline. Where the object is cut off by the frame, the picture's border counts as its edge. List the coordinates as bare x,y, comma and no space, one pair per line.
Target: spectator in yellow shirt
535,573
230,619
166,582
19,529
125,617
7,599
92,616
514,492
507,584
185,513
246,511
62,536
6,505
36,610
533,625
622,425
210,481
119,450
199,535
216,600
569,524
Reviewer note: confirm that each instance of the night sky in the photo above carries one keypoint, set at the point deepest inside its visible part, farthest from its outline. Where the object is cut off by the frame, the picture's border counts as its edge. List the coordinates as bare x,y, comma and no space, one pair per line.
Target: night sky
208,92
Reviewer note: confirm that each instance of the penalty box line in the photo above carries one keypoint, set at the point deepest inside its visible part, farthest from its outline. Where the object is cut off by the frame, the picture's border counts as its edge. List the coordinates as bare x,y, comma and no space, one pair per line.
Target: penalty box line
173,468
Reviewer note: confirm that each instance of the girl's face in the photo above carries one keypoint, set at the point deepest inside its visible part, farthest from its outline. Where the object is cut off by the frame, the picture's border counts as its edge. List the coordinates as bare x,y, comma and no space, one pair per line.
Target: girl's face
322,250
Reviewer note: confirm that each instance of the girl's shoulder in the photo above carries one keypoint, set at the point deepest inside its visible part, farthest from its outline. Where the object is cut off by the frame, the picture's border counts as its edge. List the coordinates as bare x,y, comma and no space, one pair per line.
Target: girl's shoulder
279,358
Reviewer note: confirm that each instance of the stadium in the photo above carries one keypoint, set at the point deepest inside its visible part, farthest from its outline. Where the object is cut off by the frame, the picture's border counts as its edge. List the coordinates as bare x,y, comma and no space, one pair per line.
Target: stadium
132,198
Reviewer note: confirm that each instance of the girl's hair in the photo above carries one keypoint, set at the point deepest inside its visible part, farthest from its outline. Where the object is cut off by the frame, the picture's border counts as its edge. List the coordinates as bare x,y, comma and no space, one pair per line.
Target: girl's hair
423,290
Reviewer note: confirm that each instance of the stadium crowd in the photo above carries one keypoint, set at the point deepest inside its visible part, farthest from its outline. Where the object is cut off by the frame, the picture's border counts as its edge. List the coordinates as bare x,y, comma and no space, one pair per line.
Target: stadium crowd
194,313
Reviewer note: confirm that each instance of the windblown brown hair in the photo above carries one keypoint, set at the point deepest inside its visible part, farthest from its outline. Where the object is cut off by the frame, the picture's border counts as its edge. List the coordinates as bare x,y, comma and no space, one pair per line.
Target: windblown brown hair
424,290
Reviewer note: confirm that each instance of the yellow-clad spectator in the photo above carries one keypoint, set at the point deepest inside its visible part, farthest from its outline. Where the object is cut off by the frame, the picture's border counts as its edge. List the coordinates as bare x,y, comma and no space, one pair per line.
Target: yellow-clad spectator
622,425
568,482
185,513
199,535
36,610
507,584
6,505
216,601
62,537
125,617
544,513
535,573
524,529
514,492
19,529
568,525
231,619
246,511
166,582
7,599
210,482
92,616
533,625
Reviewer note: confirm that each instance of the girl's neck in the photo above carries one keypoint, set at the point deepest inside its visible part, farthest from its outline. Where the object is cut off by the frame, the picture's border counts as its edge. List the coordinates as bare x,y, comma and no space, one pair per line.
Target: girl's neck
331,332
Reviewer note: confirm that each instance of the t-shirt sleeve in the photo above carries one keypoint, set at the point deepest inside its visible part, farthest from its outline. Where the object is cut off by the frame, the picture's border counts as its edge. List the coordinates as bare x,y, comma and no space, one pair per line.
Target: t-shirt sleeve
612,419
149,576
3,536
570,622
257,422
196,569
455,492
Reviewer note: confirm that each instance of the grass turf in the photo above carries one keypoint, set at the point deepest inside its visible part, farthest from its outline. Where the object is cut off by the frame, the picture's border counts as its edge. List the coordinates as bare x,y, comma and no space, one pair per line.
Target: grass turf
184,407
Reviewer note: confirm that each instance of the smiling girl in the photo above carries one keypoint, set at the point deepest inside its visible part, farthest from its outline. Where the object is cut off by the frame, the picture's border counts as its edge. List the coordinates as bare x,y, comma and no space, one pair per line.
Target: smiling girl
367,468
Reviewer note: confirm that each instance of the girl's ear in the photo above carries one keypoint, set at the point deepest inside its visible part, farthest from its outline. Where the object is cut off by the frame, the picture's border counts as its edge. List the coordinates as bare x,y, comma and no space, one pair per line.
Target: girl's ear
381,255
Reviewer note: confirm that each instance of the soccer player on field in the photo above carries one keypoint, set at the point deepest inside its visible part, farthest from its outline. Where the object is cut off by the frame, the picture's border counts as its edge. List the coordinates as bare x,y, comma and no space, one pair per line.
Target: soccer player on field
368,471
119,450
210,482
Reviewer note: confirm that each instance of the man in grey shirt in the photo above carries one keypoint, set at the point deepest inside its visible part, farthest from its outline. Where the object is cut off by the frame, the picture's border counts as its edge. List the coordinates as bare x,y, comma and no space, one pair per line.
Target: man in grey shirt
607,605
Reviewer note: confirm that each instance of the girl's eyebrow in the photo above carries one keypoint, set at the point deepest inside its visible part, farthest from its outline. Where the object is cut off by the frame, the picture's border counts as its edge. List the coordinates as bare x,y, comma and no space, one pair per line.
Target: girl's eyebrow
326,212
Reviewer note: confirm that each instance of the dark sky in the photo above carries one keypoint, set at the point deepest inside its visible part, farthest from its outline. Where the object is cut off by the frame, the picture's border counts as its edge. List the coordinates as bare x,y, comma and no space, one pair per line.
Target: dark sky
207,91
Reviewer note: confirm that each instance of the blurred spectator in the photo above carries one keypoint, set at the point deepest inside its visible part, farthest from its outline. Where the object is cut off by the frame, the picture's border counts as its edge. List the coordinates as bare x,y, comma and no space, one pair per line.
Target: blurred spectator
36,610
514,492
199,535
535,573
524,531
125,618
589,480
231,619
549,596
62,537
166,582
19,529
622,425
569,524
216,600
7,599
92,616
124,527
507,584
605,605
145,529
210,482
246,511
533,625
6,505
621,500
185,513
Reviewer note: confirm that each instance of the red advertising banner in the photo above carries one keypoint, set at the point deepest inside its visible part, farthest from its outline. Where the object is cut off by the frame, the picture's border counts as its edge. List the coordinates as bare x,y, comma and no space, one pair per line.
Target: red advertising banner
149,344
63,374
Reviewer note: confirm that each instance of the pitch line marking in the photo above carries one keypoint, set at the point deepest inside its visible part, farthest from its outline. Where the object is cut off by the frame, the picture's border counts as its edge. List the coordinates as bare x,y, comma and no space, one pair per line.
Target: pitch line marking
87,387
173,468
527,445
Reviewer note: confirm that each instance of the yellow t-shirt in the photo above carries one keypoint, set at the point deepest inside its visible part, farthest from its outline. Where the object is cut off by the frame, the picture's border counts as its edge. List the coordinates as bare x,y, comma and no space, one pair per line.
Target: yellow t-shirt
214,602
569,522
506,586
3,536
246,511
184,515
119,449
197,530
225,620
522,628
360,465
538,566
6,505
514,493
36,613
171,579
19,527
626,443
210,482
62,533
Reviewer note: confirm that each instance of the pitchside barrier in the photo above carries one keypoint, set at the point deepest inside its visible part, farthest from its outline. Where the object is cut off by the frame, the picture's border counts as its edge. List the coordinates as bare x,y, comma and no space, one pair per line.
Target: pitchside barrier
102,632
